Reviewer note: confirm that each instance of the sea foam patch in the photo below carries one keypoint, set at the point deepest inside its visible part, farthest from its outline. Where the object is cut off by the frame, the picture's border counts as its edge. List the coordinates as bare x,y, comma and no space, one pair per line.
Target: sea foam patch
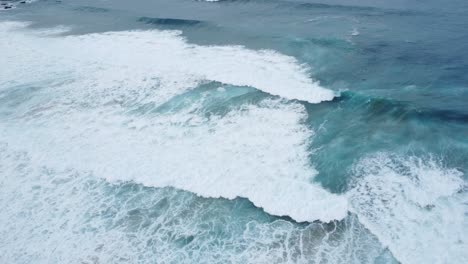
416,207
257,152
86,219
74,105
83,114
166,55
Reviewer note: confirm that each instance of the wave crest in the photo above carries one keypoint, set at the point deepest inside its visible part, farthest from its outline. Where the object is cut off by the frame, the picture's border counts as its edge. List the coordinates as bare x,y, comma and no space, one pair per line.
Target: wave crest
139,55
86,114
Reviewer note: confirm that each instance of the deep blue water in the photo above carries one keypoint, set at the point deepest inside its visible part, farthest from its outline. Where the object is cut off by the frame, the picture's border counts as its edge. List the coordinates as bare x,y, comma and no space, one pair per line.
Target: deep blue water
234,131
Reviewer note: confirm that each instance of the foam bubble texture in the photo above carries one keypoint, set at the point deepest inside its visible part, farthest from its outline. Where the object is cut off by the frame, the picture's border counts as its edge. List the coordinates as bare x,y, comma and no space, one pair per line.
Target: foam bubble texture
55,216
124,106
85,114
165,55
238,154
414,206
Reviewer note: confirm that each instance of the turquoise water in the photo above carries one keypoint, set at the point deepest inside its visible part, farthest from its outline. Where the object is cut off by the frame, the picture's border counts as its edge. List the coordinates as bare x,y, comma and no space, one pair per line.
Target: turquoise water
234,131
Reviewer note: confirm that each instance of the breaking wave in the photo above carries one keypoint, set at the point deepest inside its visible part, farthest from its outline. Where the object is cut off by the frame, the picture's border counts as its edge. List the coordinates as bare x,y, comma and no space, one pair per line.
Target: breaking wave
88,115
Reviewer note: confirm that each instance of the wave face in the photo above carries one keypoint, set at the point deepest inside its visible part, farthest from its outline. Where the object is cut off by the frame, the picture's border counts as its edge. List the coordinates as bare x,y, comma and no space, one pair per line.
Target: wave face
94,88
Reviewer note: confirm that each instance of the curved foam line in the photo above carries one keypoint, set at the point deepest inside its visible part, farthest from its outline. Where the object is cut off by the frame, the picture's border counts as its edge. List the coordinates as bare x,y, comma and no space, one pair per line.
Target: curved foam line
167,54
229,157
106,74
85,115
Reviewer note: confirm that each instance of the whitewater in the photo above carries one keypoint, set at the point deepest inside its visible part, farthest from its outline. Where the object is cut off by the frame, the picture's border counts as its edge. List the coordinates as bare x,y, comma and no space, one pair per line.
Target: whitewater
135,146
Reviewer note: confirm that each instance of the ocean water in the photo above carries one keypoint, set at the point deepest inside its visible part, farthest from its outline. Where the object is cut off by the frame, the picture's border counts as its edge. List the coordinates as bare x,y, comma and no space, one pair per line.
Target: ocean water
248,131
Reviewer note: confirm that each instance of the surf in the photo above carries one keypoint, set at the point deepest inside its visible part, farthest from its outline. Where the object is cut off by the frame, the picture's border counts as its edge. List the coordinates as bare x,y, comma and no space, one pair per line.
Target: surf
143,107
96,106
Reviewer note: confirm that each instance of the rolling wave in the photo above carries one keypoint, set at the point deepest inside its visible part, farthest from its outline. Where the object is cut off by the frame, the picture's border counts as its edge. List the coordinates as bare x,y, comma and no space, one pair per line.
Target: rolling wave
80,109
92,86
359,9
168,57
169,21
402,110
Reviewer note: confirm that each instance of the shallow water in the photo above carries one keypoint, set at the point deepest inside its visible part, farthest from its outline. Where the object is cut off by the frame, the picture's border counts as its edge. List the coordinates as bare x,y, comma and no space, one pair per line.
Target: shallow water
234,131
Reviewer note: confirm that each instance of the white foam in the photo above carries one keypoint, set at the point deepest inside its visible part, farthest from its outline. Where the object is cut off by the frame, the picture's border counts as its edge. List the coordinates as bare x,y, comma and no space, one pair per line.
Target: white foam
54,216
80,117
258,152
139,55
416,207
